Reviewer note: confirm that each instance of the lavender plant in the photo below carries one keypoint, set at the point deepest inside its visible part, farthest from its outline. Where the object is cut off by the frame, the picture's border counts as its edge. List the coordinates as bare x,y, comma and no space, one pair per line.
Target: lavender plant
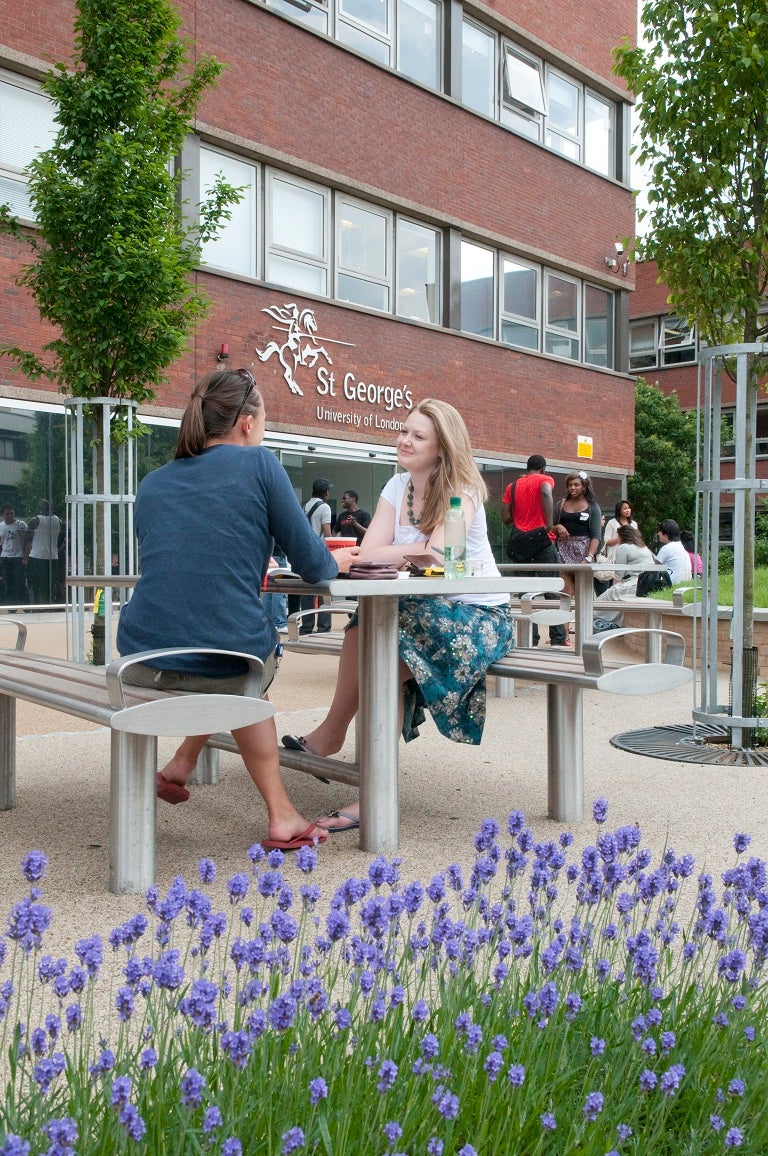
551,1002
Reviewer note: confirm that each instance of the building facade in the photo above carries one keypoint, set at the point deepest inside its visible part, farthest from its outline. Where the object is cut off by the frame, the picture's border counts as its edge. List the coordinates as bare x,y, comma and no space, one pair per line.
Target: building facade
663,348
434,199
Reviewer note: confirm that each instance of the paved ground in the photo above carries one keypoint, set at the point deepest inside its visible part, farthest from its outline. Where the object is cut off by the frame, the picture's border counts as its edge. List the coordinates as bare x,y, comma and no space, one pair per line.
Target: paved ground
446,791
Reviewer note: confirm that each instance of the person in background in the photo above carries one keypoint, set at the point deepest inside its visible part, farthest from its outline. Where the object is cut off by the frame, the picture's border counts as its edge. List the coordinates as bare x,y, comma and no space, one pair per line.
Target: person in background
446,643
689,545
319,513
526,505
12,537
672,553
187,597
630,551
577,523
41,553
622,516
352,522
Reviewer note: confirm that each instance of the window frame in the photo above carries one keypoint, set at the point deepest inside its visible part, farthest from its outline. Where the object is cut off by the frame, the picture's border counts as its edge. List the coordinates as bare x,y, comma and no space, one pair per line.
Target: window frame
341,270
12,173
287,253
505,315
402,219
550,329
258,210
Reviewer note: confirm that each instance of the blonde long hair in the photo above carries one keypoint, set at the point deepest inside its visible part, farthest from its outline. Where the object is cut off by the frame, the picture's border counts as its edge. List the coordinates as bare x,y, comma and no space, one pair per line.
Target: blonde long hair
456,470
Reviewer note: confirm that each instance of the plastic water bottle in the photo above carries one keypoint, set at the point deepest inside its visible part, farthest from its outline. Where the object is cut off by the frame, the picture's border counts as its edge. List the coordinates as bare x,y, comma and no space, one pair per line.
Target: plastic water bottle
455,540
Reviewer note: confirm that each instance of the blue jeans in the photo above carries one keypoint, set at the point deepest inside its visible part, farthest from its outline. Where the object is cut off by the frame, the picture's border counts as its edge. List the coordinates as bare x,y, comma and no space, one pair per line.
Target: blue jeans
276,605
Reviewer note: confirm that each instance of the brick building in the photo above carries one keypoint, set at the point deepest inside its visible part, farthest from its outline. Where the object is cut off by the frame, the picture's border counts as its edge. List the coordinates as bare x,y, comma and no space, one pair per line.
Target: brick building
435,194
663,348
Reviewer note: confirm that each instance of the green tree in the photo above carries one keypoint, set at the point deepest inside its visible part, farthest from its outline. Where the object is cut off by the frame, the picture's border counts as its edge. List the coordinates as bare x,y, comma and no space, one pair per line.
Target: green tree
663,484
703,137
113,256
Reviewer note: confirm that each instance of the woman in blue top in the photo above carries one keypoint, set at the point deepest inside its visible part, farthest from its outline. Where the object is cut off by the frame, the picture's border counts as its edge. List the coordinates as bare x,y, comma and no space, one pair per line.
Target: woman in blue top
205,524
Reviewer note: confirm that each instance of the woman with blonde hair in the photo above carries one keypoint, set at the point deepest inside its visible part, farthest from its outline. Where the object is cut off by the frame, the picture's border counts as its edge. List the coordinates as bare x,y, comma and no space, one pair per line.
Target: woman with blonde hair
205,524
446,643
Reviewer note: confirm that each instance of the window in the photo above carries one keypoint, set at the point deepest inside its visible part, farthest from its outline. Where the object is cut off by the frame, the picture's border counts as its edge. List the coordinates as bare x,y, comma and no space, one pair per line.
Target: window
478,294
401,34
297,234
418,261
599,134
363,246
478,69
519,303
564,116
598,326
658,342
561,316
27,128
234,249
524,105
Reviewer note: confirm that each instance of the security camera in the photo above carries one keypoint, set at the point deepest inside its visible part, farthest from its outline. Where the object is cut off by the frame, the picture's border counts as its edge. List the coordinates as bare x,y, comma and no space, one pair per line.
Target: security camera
619,247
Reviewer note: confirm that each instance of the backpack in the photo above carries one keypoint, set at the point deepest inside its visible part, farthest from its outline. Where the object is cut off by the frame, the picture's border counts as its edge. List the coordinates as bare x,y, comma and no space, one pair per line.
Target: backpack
651,580
312,509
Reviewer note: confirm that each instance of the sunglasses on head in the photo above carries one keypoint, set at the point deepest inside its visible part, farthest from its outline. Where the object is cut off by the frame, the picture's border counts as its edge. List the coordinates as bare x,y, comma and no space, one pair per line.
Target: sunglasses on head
249,385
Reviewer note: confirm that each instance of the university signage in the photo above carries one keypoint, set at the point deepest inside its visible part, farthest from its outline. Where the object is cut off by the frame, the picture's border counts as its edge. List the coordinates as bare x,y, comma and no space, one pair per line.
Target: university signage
302,348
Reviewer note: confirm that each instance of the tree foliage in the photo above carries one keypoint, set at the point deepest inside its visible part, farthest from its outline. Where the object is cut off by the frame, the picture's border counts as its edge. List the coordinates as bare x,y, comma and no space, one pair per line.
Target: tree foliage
663,485
113,256
703,136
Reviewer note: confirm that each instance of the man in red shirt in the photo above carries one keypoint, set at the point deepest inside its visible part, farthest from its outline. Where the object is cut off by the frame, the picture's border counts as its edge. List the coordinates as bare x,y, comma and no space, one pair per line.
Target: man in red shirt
526,505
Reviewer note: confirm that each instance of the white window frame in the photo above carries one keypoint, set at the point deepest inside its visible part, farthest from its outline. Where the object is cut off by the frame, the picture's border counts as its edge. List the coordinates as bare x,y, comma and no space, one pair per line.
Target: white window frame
255,253
575,139
437,303
10,172
534,325
386,280
650,353
672,339
556,331
299,256
610,352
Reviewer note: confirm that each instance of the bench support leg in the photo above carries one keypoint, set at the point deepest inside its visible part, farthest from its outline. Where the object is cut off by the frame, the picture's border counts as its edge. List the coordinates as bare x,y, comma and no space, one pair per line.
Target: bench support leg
7,752
132,801
206,773
505,687
565,753
377,725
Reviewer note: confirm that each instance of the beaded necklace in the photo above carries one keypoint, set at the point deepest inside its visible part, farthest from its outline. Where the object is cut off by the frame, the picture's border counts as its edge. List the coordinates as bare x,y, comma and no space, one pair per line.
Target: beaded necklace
409,495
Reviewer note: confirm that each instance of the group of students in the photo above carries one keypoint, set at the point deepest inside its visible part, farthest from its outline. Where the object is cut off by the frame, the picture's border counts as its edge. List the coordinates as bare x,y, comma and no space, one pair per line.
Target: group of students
250,504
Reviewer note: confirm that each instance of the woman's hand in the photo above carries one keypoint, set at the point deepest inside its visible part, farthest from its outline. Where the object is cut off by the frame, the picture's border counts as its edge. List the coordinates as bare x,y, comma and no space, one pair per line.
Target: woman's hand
344,557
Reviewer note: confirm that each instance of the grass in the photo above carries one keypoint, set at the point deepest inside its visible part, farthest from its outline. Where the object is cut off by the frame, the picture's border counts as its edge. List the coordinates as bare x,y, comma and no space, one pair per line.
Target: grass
725,592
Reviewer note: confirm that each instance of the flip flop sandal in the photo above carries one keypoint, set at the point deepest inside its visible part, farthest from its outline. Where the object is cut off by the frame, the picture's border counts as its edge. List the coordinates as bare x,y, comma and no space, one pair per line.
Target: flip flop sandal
306,838
297,743
352,825
170,792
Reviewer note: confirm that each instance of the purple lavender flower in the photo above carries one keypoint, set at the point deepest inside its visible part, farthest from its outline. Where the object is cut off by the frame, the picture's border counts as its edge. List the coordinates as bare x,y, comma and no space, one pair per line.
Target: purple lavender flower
121,1091
467,1150
33,866
447,1103
648,1080
420,1011
206,869
232,1146
596,1046
623,1131
192,1088
292,1140
27,923
435,1147
736,1087
741,842
132,1122
600,810
105,1063
392,1131
494,1062
732,965
668,1041
734,1138
166,971
14,1146
387,1076
516,1075
430,1046
237,886
548,1121
62,1134
212,1119
74,1017
306,859
593,1105
318,1090
148,1059
572,1005
717,1122
238,1046
670,1080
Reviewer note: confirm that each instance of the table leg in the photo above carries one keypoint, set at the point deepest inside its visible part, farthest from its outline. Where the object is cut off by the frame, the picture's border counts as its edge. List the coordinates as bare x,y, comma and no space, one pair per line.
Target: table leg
132,801
377,724
7,752
585,605
565,753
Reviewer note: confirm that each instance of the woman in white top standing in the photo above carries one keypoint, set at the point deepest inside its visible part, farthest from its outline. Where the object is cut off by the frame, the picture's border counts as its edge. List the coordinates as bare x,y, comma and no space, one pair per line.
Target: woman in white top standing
622,516
446,643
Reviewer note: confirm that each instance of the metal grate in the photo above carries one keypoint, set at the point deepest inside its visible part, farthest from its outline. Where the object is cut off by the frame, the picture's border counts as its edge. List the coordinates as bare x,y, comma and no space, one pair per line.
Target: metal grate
689,744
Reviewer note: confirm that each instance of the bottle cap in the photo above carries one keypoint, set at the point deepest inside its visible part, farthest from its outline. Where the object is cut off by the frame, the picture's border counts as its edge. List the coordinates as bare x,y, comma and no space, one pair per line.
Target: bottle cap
455,500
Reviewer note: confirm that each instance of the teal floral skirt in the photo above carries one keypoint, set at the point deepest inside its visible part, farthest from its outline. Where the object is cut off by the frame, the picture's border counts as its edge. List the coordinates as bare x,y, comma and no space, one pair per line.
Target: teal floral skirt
448,646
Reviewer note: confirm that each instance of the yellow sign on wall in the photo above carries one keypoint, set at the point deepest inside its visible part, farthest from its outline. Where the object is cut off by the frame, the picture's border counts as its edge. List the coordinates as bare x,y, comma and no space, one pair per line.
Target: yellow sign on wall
584,447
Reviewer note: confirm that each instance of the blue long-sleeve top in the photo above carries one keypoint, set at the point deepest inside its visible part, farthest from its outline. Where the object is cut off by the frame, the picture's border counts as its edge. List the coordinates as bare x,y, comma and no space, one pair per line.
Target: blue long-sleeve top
205,527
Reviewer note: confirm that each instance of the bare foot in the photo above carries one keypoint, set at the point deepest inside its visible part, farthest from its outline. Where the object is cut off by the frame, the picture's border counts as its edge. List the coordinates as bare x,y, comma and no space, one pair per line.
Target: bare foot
345,819
284,832
178,769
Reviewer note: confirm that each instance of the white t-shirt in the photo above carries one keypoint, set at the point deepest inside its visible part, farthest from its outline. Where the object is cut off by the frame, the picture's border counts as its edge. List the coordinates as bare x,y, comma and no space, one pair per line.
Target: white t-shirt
612,531
677,561
478,546
45,536
320,517
12,538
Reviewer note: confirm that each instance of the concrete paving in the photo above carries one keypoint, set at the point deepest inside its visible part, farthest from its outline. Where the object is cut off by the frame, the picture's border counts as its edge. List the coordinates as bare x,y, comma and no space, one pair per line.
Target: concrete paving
446,791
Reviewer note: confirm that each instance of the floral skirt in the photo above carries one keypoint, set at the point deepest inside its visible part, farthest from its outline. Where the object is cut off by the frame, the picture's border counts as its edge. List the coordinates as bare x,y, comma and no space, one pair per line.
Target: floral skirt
573,550
448,646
